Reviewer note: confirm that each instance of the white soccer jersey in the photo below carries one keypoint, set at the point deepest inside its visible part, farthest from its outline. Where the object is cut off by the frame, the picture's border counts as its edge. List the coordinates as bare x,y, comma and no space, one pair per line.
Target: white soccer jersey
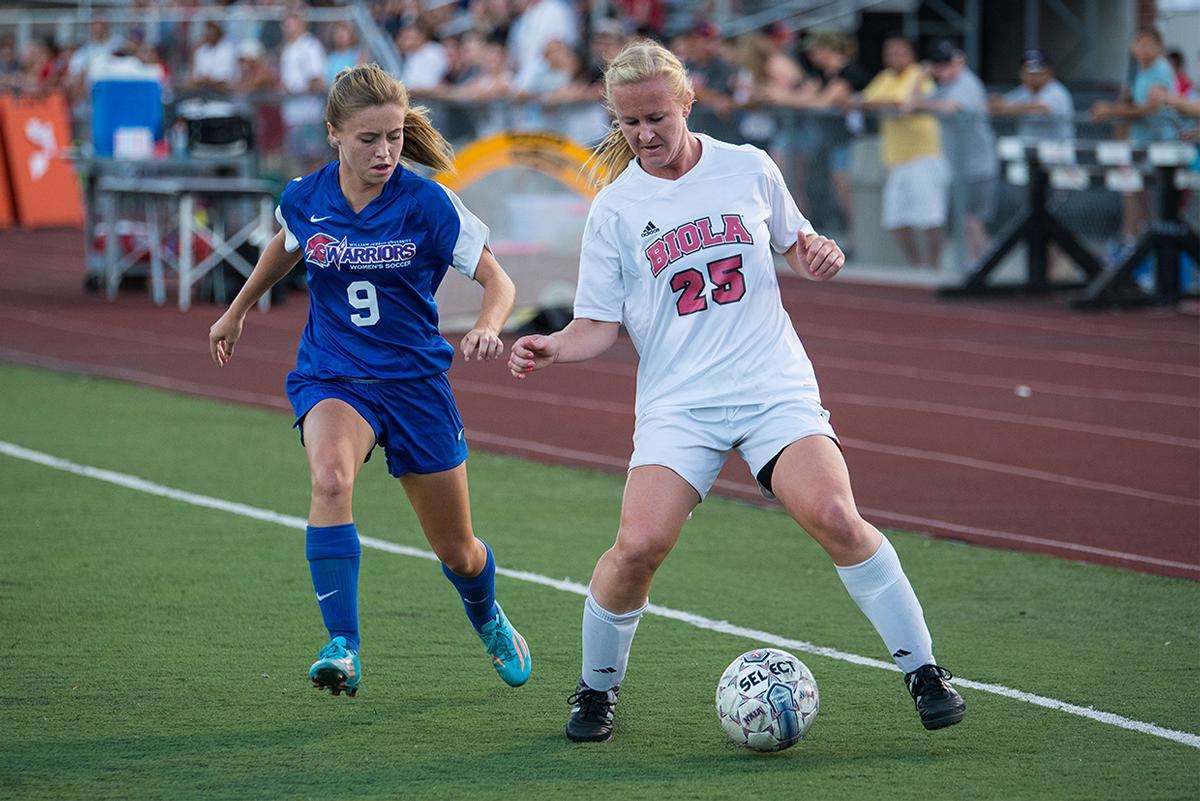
687,266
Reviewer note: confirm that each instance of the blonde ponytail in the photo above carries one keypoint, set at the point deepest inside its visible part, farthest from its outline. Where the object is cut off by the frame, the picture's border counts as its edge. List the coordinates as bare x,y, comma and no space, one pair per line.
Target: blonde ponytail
423,143
609,157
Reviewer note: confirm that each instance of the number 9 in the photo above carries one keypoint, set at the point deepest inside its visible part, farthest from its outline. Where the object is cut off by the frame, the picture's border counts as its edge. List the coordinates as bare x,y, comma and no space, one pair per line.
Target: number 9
361,295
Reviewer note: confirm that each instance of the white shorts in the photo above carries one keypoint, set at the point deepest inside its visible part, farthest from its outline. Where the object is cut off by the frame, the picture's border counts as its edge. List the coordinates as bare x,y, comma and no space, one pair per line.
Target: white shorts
695,442
915,194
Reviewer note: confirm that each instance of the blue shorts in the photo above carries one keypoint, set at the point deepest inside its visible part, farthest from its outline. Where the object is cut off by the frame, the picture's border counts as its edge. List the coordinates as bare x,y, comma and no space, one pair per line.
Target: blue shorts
415,421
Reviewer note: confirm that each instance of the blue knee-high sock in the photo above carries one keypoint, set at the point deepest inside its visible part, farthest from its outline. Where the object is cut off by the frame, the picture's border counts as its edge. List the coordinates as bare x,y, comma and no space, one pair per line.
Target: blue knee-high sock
478,593
333,556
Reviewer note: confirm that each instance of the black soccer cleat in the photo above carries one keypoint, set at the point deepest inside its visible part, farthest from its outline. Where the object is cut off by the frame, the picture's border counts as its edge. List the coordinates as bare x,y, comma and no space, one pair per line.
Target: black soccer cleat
591,719
938,704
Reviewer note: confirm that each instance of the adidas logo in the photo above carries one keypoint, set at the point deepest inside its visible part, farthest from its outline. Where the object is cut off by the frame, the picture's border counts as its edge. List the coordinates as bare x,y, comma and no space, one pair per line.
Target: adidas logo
604,670
901,653
650,230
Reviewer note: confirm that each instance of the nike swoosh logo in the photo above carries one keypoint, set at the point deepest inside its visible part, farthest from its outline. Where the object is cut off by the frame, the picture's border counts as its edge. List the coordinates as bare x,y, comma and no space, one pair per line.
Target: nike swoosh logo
326,595
318,219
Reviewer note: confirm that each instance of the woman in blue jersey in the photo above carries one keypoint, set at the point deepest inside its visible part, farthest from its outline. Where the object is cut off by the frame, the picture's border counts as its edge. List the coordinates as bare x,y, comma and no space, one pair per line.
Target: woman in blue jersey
371,370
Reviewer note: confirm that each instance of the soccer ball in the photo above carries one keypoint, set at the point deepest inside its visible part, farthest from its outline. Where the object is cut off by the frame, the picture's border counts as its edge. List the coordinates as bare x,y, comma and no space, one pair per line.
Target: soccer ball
767,700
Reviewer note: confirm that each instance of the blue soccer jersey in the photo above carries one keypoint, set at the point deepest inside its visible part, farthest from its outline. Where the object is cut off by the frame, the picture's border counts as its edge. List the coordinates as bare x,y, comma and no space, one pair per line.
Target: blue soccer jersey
372,276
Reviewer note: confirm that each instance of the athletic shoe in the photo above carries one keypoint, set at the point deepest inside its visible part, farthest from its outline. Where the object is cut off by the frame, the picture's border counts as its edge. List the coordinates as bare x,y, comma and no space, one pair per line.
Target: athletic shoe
591,719
337,668
937,702
507,648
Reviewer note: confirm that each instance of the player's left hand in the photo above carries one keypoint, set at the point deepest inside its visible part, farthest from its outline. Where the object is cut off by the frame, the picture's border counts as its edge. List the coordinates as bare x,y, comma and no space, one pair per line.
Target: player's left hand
482,343
823,257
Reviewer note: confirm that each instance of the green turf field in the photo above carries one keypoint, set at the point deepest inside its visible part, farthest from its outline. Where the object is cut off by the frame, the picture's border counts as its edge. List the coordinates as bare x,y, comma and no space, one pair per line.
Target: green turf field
156,649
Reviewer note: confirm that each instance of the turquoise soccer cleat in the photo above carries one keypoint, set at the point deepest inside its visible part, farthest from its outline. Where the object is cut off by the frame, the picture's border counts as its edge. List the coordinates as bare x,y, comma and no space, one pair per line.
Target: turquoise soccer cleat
507,648
337,668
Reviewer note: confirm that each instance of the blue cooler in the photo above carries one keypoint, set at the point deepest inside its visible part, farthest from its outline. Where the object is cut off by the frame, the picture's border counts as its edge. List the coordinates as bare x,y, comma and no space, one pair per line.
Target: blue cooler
124,95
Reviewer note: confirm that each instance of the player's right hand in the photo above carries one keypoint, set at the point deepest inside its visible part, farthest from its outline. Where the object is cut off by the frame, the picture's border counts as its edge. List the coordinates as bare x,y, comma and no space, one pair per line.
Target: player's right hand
531,353
223,336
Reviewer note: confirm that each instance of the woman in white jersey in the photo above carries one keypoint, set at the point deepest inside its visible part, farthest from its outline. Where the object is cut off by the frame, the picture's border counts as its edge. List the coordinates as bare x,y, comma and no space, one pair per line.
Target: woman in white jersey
678,247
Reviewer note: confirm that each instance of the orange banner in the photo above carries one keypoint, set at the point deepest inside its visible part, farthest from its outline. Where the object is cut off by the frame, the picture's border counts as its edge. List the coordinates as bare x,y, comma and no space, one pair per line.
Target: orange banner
44,188
6,208
6,202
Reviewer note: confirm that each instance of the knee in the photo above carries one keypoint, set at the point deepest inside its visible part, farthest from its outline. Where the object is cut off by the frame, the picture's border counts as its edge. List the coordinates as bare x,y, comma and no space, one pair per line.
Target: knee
332,482
461,559
638,556
837,525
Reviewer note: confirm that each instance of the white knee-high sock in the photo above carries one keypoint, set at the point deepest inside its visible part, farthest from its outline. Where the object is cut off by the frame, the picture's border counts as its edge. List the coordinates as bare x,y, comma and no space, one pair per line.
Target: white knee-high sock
885,596
606,641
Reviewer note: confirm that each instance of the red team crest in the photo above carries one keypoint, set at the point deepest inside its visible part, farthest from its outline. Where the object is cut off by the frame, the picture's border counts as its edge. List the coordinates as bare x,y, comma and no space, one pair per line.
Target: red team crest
316,249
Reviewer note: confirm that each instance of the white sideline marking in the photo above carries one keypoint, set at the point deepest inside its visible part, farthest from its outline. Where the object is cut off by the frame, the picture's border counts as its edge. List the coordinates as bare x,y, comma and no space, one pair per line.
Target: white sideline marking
566,585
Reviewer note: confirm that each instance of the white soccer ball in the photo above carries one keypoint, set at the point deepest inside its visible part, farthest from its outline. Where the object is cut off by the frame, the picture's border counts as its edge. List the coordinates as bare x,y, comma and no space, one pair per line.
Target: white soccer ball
767,700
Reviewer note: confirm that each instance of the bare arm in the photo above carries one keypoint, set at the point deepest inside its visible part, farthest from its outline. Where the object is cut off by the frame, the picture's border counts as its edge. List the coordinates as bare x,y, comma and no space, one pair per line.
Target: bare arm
836,93
1189,108
273,264
483,341
944,106
875,105
809,95
1128,110
1000,105
582,339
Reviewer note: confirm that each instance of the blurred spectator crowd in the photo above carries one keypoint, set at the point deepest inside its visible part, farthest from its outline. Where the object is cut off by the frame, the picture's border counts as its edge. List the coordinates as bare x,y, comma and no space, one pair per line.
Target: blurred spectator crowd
522,63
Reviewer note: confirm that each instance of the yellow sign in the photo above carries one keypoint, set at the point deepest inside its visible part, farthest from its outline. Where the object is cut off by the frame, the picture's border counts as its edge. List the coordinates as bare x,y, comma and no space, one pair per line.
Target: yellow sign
547,153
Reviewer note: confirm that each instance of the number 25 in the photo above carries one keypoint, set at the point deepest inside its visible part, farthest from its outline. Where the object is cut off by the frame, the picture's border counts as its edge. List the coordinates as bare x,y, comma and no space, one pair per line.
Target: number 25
726,274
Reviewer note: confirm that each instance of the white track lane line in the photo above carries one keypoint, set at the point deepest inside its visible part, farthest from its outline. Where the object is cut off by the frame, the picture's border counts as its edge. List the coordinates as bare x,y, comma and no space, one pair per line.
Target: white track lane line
974,314
565,585
574,456
805,330
809,331
250,352
824,362
626,409
750,492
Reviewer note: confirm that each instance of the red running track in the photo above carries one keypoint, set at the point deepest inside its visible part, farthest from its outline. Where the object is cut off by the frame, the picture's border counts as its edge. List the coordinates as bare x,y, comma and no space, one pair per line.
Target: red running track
1008,423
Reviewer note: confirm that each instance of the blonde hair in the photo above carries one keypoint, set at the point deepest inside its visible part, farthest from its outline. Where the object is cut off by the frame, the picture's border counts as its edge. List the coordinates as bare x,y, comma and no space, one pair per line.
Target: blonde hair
368,85
837,41
638,61
754,53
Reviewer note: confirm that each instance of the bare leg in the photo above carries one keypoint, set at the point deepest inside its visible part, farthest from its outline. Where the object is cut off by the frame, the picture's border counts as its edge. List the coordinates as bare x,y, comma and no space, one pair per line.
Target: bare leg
908,243
442,503
977,236
443,507
1134,213
336,440
812,483
656,504
844,192
653,510
935,246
